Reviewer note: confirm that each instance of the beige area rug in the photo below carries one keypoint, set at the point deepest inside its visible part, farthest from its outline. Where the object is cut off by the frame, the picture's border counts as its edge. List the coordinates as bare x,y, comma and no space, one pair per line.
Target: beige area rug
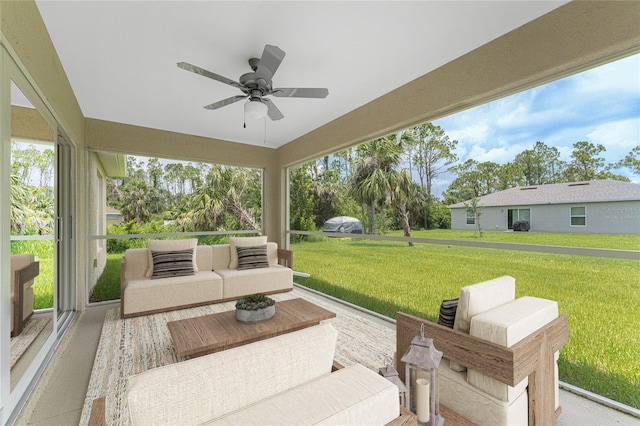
134,345
30,331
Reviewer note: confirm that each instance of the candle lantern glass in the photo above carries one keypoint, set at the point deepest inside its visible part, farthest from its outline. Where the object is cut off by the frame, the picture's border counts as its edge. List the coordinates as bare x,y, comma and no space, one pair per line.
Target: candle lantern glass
390,373
421,362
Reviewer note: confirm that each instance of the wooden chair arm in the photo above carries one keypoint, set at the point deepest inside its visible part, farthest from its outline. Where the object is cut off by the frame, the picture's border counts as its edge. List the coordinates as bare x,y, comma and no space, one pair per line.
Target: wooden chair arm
285,258
98,412
532,357
507,365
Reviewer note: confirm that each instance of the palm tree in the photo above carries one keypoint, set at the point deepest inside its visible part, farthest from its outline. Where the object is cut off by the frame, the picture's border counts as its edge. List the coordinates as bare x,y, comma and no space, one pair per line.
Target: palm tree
377,177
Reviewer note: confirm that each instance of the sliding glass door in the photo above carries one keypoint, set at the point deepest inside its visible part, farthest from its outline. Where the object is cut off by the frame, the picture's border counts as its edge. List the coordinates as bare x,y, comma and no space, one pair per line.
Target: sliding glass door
38,189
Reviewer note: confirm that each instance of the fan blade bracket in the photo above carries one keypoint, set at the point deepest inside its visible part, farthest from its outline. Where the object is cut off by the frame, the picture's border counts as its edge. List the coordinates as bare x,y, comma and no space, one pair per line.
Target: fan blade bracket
300,92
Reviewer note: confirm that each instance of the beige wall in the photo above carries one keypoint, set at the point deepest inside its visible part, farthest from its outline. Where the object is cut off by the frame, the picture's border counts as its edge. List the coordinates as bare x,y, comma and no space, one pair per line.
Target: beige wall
28,123
96,219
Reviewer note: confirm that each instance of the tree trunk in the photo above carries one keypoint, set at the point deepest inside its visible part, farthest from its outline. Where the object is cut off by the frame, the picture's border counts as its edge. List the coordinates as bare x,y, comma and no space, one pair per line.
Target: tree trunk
404,218
245,218
371,217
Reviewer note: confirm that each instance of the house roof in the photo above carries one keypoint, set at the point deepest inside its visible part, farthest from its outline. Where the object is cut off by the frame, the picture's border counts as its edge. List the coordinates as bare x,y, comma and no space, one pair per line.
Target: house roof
561,193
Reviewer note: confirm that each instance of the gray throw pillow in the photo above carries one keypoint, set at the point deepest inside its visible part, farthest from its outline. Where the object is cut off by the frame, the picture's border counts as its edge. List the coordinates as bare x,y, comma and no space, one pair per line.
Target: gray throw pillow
448,310
252,257
172,263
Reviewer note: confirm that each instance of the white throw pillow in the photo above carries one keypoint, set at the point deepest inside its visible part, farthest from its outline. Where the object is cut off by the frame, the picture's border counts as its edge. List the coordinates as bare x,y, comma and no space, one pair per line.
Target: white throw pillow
242,242
478,298
165,245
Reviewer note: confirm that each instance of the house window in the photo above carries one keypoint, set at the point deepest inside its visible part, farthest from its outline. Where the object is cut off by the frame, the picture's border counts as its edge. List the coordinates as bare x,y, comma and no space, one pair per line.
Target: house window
471,217
578,216
515,215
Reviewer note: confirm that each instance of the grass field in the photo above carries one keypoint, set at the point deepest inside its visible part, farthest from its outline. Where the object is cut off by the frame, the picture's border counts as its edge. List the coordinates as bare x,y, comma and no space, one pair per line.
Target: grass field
608,241
599,296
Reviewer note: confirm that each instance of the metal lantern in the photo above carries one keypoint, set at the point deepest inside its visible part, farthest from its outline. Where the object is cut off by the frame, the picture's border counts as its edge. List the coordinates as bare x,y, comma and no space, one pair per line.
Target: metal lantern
390,373
422,395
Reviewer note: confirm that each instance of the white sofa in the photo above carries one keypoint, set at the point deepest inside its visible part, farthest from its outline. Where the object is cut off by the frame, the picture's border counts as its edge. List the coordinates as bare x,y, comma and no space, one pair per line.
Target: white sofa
495,389
285,380
216,276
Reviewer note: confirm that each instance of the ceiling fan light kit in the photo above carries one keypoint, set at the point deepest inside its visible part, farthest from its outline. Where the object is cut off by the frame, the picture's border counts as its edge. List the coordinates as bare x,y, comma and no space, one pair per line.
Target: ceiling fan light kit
258,84
255,110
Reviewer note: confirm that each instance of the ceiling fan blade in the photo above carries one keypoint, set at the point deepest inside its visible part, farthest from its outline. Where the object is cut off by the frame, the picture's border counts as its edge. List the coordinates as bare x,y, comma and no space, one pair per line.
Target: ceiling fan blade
271,58
308,92
226,102
273,112
187,66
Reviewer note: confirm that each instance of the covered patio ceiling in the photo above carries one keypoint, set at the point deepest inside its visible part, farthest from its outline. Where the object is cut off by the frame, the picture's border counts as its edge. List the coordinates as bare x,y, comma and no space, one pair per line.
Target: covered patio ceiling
120,57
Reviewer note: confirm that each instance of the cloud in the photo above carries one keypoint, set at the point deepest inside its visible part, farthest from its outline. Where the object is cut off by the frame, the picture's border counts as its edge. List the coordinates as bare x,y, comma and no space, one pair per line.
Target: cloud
601,105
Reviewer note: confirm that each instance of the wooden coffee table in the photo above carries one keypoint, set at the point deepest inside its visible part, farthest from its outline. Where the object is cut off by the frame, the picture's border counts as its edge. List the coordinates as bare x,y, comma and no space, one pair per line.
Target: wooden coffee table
207,334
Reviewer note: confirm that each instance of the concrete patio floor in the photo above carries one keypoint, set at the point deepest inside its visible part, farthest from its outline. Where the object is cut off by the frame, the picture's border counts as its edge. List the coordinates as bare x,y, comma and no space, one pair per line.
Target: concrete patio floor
58,398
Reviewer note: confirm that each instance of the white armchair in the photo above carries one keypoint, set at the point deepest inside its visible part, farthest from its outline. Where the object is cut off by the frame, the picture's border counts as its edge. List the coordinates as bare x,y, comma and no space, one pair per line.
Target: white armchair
500,366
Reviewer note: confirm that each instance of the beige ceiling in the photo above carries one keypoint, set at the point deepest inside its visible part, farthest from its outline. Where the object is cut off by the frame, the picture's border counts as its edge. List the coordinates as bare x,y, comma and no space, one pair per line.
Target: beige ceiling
120,56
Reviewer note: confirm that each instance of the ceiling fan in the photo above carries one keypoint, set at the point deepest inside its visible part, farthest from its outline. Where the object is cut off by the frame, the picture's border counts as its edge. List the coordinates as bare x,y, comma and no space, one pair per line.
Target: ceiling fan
258,84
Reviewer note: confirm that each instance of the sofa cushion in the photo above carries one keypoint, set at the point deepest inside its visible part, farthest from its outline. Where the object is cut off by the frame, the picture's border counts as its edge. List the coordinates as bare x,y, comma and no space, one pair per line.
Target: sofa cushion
481,297
163,245
239,283
144,294
242,242
353,395
252,257
200,389
137,266
172,263
506,325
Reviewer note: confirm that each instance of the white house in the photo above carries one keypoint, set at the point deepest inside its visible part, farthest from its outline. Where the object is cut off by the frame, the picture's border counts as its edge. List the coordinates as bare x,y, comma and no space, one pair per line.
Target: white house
597,207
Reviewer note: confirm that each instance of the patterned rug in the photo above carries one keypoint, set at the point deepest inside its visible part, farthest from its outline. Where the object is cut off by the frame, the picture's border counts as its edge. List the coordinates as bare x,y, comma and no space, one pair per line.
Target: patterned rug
134,345
30,331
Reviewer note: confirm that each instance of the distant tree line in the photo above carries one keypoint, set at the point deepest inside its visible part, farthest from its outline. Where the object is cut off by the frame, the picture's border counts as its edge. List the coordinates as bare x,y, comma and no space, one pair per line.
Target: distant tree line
387,183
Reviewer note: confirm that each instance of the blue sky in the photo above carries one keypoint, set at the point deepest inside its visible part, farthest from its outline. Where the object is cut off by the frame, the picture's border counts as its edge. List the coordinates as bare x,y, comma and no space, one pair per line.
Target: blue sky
601,105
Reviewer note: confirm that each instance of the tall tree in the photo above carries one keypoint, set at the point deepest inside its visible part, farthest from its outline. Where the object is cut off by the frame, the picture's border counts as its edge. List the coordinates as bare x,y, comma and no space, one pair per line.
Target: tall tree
155,172
586,163
378,175
631,161
434,154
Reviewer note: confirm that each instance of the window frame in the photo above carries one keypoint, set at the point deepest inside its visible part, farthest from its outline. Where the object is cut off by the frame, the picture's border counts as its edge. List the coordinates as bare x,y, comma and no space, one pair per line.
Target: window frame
577,216
470,217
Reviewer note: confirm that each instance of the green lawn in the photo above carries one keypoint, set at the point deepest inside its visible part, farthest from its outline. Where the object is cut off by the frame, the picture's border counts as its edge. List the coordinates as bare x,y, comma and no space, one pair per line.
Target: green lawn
600,296
43,285
608,241
108,285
